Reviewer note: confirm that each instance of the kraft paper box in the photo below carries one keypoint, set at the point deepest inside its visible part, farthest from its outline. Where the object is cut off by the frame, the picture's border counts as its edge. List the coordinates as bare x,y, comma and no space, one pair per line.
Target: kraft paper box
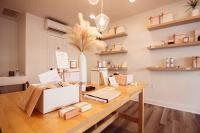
124,79
53,99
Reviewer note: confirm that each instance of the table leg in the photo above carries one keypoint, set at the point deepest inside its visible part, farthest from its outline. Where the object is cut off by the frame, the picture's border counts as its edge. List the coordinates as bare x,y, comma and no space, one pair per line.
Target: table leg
141,112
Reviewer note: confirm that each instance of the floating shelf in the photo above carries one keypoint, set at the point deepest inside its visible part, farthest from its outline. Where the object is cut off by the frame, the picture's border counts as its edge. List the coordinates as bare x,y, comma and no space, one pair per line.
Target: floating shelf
172,69
112,52
114,36
118,69
174,45
174,23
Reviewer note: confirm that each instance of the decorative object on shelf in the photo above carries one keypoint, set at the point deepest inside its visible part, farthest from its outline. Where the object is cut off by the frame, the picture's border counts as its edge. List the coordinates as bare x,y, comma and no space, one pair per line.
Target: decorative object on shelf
83,37
191,35
197,35
186,39
102,20
73,64
179,38
192,5
93,2
154,20
166,17
170,62
196,62
120,29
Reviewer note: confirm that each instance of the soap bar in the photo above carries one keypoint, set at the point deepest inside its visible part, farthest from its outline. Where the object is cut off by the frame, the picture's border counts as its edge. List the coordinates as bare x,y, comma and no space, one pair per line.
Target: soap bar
68,112
83,106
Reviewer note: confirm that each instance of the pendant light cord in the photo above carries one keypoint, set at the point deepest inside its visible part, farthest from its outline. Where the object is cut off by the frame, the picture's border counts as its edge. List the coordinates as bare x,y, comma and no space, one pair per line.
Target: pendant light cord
101,6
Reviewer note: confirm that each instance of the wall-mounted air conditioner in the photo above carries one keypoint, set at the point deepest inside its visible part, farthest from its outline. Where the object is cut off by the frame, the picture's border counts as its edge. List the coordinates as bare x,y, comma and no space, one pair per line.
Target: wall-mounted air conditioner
55,25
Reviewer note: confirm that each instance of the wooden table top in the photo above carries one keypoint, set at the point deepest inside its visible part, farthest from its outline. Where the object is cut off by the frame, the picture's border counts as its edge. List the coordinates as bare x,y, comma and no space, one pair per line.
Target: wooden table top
14,120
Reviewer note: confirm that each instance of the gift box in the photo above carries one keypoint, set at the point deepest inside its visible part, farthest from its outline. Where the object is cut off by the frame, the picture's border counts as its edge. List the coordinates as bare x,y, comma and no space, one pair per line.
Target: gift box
53,99
167,17
48,97
154,20
124,79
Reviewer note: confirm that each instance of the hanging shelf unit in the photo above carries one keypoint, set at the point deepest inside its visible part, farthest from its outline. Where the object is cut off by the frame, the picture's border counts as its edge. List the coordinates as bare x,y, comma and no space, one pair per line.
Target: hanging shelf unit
174,45
174,23
114,36
118,69
112,52
163,69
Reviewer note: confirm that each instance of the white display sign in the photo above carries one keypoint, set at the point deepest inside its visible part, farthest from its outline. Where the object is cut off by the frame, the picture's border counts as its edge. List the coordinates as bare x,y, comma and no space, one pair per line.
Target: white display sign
62,60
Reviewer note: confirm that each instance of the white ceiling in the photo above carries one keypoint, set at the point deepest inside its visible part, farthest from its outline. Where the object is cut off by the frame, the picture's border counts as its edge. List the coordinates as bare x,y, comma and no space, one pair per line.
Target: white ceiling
66,10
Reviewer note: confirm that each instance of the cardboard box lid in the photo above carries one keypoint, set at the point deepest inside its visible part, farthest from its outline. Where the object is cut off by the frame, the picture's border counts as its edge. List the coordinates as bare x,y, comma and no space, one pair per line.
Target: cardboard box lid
30,99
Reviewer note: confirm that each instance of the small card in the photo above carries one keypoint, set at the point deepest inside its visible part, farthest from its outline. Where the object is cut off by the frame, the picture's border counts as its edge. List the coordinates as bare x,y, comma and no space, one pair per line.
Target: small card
50,76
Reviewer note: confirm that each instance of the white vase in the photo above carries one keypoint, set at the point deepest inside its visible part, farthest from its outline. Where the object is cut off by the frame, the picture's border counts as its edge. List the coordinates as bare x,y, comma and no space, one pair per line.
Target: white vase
195,12
83,71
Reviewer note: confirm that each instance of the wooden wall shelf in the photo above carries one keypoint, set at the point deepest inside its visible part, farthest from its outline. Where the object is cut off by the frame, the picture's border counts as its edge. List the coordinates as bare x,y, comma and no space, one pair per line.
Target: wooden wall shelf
118,69
174,23
112,52
114,36
174,45
172,69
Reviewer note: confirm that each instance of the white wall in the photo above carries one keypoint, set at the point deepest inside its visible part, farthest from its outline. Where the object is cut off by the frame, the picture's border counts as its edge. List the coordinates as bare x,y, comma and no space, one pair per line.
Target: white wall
22,44
37,47
179,90
8,46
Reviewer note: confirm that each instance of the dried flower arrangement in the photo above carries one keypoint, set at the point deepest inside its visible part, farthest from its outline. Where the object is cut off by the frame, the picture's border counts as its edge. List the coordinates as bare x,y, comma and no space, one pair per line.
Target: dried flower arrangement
192,4
83,36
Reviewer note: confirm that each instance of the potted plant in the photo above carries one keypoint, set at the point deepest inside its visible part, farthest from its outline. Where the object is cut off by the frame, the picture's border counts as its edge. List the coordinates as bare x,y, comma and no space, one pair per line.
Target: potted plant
192,5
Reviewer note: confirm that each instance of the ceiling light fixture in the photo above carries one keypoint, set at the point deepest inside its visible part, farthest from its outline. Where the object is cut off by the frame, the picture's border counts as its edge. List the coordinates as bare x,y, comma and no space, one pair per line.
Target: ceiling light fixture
102,20
93,2
132,1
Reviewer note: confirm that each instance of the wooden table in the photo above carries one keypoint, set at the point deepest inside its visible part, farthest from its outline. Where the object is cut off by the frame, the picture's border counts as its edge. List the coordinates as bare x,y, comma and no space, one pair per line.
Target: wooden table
14,120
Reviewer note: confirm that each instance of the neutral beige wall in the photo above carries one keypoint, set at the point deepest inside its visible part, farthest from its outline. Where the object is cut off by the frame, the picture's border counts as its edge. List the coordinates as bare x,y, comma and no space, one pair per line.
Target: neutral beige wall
22,44
8,46
179,90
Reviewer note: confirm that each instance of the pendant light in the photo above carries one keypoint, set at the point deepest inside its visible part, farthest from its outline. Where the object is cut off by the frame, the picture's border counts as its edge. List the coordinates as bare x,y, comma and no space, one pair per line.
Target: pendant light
102,20
93,2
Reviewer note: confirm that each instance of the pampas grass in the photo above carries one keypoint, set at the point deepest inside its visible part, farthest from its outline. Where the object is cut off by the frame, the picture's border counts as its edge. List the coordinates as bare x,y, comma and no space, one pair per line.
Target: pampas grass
84,37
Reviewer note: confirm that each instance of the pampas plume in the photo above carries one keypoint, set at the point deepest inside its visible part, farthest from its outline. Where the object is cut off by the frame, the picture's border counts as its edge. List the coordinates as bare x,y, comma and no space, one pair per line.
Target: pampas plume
84,37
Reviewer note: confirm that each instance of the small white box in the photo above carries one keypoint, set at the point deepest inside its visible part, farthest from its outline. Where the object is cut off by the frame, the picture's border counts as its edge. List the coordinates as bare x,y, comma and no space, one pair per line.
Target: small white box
53,99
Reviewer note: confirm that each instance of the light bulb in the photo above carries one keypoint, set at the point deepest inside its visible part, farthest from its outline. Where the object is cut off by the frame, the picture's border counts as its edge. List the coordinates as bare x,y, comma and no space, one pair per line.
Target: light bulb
92,16
93,2
132,1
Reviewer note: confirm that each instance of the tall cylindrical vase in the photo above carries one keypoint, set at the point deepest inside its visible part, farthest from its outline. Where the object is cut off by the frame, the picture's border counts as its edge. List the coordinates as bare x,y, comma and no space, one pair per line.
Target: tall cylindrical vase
83,71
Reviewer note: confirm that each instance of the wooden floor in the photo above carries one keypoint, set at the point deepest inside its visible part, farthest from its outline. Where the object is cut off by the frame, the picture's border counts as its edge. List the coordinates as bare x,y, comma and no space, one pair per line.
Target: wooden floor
157,120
